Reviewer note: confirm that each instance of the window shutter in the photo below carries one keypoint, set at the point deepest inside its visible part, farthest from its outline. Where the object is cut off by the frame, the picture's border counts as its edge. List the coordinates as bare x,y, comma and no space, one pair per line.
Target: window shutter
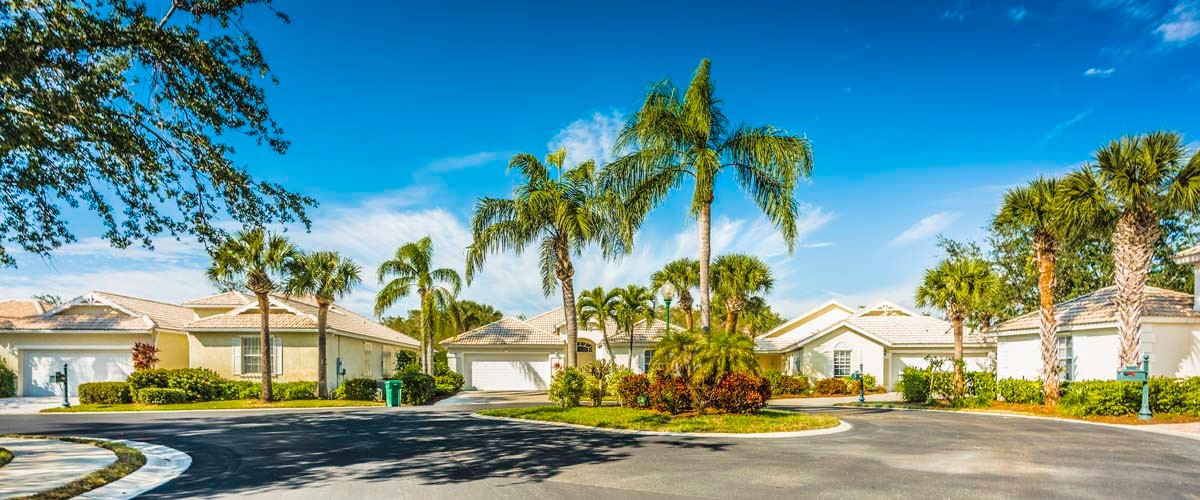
277,354
237,355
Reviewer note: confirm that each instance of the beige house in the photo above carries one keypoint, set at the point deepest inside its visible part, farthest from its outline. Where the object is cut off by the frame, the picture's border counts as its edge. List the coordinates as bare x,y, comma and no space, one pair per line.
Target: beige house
94,335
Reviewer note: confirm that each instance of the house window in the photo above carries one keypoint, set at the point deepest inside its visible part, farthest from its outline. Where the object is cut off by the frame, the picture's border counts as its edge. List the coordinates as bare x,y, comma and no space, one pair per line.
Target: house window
583,347
841,363
1066,358
251,355
647,355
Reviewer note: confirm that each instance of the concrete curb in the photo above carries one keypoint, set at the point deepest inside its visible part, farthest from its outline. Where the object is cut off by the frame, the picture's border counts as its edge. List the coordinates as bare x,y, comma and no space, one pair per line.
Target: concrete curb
162,465
1142,428
842,426
316,408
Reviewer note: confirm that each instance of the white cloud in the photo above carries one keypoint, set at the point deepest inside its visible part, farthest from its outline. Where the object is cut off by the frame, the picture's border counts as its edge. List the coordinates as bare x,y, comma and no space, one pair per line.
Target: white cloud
461,162
1062,127
1017,14
821,244
589,138
1182,25
1100,72
927,227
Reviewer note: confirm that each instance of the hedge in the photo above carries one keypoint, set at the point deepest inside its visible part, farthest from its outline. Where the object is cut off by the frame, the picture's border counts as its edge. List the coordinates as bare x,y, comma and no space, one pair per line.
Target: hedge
293,391
105,393
1022,391
448,384
914,387
1116,397
831,387
199,384
160,396
633,389
8,381
357,389
786,384
566,387
740,393
418,387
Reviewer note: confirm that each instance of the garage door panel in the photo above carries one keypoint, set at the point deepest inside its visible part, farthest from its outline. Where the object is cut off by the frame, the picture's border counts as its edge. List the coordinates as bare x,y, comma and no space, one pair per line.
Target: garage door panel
509,372
82,367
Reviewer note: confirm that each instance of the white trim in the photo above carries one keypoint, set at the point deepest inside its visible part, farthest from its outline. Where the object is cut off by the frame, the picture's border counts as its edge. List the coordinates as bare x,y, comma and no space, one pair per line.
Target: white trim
313,331
879,306
97,347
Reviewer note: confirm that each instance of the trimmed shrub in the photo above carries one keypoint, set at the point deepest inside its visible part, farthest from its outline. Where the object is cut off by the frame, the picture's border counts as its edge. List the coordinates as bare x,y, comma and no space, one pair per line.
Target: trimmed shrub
566,388
449,383
1021,391
294,391
357,389
633,389
161,396
1101,397
105,393
786,384
8,381
241,389
670,394
913,385
200,384
740,393
441,363
831,387
142,379
418,387
981,388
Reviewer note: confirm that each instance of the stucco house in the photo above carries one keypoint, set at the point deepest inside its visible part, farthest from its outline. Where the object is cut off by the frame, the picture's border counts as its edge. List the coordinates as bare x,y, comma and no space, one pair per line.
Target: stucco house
516,354
94,335
834,340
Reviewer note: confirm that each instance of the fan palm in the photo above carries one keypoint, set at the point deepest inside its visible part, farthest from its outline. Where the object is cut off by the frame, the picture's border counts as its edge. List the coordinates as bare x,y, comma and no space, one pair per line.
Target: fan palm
326,276
1036,207
684,275
473,314
956,286
676,353
722,353
675,137
636,304
256,260
601,307
561,214
1135,183
736,278
411,269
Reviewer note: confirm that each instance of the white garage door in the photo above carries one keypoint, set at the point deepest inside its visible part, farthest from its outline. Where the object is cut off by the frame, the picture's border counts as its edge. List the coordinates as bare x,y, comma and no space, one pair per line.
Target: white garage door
82,367
509,372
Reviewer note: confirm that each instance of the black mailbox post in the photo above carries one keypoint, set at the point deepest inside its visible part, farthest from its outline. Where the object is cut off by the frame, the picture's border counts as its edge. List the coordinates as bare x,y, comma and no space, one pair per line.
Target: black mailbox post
61,378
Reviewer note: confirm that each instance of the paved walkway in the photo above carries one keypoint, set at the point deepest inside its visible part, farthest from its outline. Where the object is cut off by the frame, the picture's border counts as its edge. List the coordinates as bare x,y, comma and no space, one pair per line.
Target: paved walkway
42,464
830,401
28,406
494,397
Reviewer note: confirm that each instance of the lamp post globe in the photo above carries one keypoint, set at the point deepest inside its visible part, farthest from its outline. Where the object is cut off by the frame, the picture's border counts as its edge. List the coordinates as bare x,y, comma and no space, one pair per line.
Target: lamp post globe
667,290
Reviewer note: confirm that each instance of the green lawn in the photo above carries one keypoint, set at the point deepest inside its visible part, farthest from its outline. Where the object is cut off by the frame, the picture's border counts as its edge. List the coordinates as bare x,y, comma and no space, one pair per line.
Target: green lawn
240,404
617,417
1033,410
5,457
128,460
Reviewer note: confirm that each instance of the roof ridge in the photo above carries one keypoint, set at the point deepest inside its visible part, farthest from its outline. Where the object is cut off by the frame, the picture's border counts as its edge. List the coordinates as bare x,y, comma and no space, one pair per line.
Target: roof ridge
137,298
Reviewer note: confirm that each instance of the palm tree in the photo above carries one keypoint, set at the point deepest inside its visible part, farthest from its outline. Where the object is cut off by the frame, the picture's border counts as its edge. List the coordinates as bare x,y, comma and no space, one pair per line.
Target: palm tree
559,213
600,306
676,353
1135,183
956,285
758,317
326,276
675,137
1036,207
637,303
722,353
473,314
684,275
412,270
256,260
737,277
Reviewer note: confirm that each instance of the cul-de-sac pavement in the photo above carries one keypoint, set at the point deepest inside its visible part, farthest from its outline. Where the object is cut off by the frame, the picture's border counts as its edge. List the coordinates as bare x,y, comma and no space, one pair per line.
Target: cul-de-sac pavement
444,452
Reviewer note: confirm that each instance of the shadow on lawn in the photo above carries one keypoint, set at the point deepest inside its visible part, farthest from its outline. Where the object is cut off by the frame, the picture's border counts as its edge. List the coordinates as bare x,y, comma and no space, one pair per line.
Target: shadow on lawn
277,452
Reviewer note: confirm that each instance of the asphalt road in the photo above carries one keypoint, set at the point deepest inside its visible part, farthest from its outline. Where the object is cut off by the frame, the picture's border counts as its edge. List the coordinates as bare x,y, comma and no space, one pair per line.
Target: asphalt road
445,453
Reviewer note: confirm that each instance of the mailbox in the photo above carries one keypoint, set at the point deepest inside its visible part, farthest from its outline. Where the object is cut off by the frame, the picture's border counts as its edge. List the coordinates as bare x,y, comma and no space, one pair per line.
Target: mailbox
856,376
1132,373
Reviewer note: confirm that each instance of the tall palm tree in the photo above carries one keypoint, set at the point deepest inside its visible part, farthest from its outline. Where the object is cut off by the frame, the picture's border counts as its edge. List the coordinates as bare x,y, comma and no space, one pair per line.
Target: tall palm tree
326,276
956,286
473,314
684,275
600,306
1036,207
411,269
722,353
1135,183
637,303
560,213
256,260
736,278
676,353
675,137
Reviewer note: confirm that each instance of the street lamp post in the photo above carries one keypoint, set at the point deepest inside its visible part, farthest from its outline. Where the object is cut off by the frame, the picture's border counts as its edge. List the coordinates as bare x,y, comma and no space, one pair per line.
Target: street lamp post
667,290
862,384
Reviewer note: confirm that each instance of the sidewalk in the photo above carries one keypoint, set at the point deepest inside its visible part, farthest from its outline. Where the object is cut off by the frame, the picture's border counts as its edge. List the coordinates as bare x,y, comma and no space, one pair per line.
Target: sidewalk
830,401
42,464
29,406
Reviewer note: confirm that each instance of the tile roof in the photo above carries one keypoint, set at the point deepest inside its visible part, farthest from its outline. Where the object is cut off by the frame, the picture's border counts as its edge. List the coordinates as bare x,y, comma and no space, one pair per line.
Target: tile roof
305,317
221,299
913,330
169,316
16,308
160,314
641,333
506,331
77,322
1099,307
549,320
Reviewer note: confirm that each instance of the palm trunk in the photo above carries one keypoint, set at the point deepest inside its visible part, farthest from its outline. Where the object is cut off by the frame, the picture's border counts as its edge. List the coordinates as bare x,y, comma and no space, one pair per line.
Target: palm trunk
704,220
607,346
264,346
565,272
630,332
322,361
685,305
733,312
956,325
1044,249
426,333
1133,247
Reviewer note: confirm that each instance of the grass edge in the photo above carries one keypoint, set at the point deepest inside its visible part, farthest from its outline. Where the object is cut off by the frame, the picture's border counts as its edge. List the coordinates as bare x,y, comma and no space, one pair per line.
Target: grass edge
129,460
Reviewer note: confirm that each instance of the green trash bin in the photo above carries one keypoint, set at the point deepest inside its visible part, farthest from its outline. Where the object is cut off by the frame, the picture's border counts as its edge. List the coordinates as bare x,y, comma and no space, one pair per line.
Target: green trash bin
392,391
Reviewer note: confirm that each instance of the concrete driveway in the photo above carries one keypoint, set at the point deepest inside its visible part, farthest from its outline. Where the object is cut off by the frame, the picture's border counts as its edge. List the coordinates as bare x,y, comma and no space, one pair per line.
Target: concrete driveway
27,406
494,398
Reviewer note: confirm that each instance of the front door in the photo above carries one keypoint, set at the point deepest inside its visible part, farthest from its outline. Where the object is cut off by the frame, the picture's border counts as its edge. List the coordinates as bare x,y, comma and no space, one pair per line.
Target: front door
585,352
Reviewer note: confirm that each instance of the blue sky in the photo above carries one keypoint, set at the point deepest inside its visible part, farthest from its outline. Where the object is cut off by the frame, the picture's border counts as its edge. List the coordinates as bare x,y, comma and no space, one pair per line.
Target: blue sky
921,115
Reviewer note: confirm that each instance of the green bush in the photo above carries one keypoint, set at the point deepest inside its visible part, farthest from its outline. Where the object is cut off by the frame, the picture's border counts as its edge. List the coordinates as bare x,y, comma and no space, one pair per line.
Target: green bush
786,384
831,387
8,381
1021,391
633,389
981,388
142,379
913,385
740,393
357,389
852,385
418,387
404,359
200,384
449,383
105,393
566,387
671,394
599,376
294,391
161,396
1101,397
441,364
241,389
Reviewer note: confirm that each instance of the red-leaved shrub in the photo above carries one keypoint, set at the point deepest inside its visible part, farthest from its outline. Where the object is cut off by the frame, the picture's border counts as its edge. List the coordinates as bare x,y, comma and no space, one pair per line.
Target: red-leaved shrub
831,387
634,391
670,394
145,356
740,393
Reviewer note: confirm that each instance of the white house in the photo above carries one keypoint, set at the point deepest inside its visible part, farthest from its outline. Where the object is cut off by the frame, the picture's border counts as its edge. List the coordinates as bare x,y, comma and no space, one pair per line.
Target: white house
515,354
834,340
